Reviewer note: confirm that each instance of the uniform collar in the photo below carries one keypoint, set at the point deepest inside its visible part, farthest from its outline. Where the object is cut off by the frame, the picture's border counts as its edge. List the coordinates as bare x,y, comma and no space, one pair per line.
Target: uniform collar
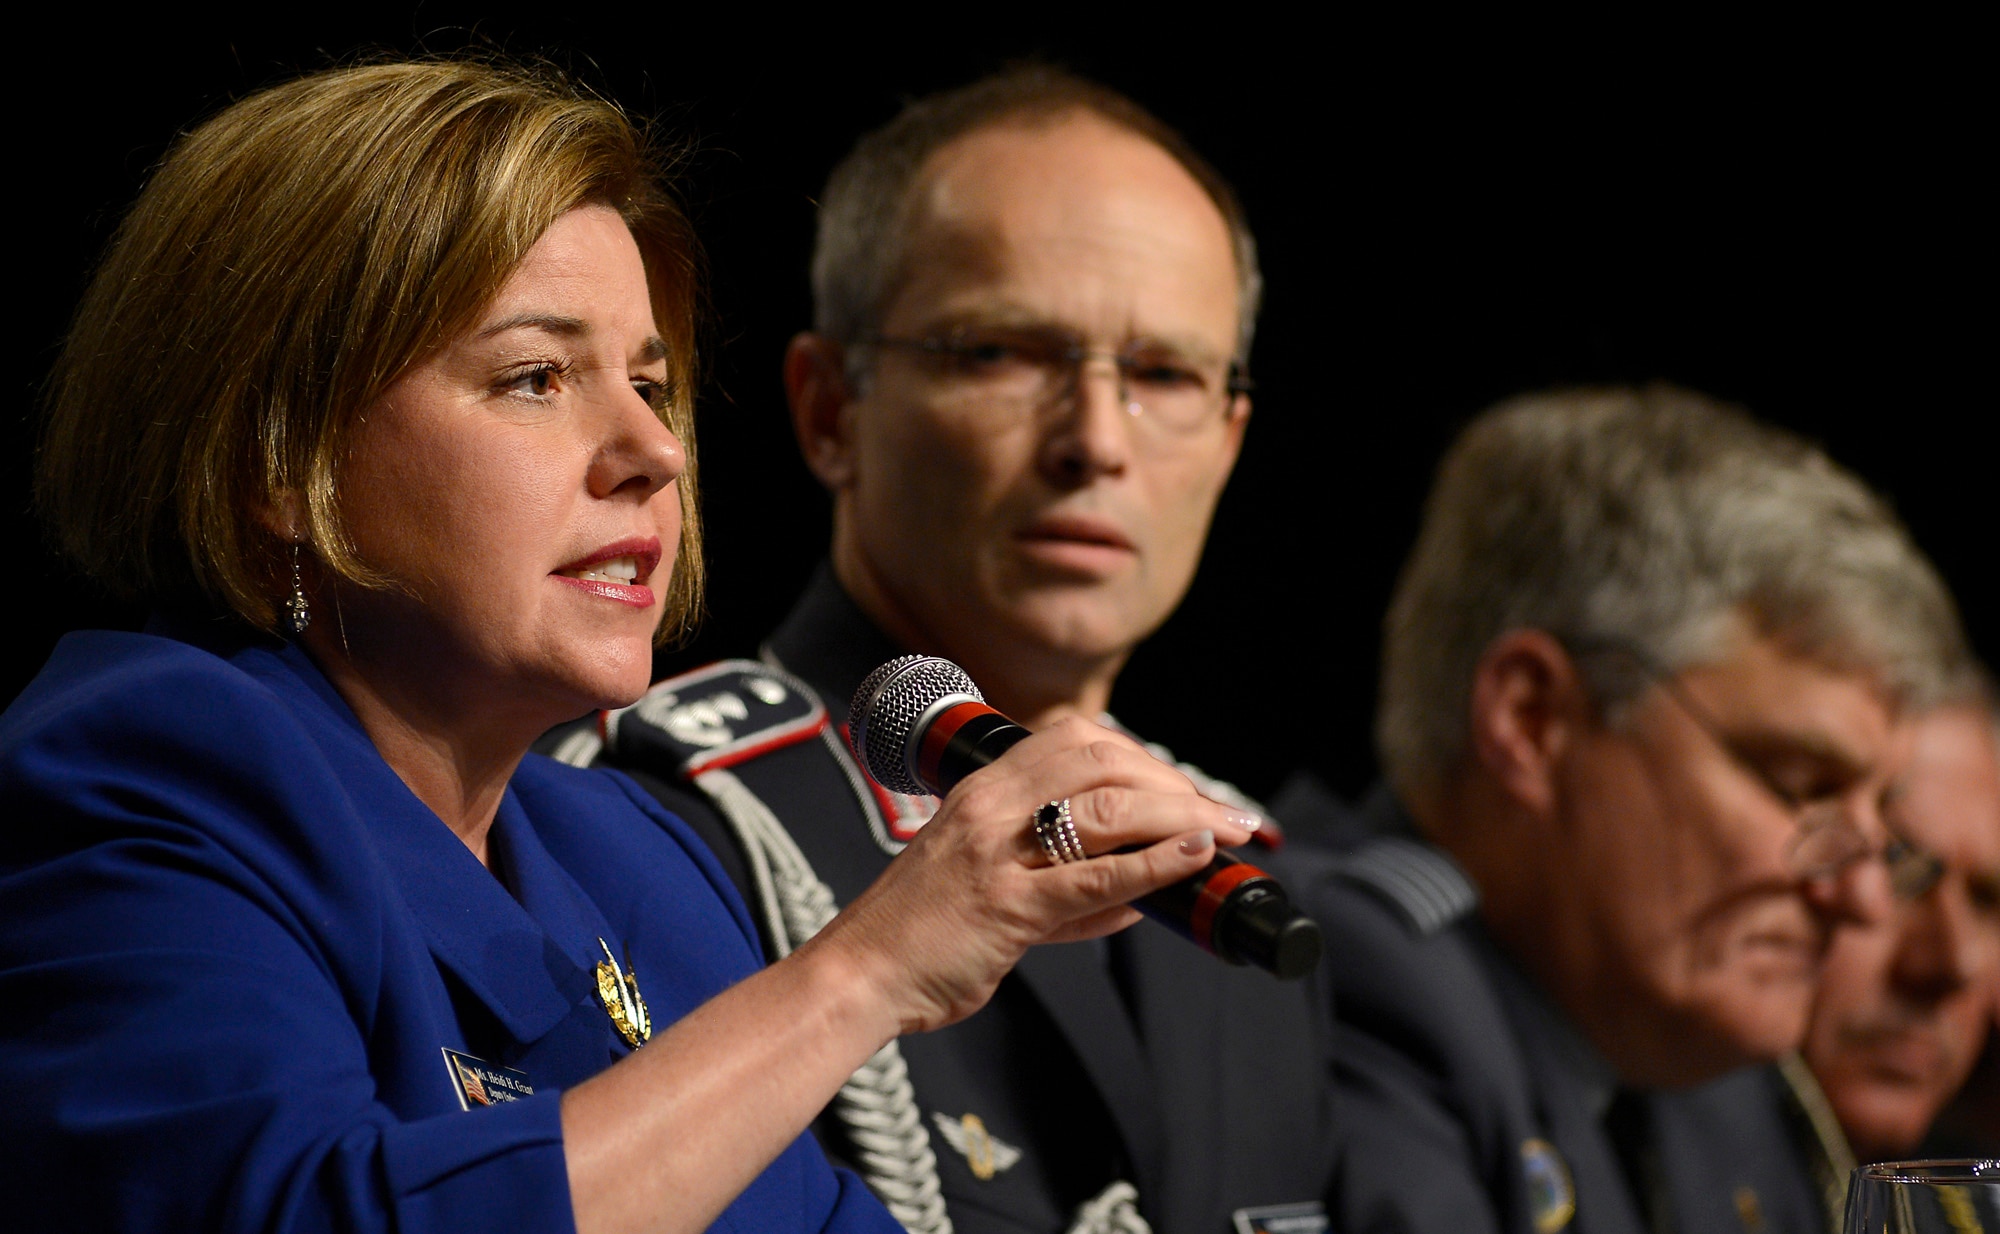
1549,1033
1574,1087
829,643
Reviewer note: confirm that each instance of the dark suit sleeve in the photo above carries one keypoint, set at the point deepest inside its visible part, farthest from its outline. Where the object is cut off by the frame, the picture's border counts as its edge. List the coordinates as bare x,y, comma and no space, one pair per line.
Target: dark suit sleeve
1422,1126
1405,1161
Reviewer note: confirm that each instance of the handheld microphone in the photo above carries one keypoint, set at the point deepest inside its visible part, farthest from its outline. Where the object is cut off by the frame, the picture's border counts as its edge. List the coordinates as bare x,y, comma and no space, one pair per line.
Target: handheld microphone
920,725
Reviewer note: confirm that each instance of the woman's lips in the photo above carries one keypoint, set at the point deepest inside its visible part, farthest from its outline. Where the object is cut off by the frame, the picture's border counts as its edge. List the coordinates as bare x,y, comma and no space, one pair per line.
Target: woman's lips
615,571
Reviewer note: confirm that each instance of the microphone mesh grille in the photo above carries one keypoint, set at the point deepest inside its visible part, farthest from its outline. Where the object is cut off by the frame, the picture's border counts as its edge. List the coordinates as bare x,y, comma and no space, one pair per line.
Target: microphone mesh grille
886,706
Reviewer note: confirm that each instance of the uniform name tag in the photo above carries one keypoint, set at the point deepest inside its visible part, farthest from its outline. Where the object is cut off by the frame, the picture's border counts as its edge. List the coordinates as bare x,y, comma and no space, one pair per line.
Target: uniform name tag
1309,1218
478,1082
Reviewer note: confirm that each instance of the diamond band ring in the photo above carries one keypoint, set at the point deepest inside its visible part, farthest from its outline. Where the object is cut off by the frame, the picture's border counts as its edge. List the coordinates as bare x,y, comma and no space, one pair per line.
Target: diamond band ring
1056,831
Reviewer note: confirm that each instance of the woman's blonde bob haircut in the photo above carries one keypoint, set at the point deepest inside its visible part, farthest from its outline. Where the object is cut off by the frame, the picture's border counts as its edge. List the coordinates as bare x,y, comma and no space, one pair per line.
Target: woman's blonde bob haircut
288,261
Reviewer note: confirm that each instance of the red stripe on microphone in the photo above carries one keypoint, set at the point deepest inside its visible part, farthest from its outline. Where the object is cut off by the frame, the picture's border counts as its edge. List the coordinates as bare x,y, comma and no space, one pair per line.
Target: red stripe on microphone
1201,919
940,733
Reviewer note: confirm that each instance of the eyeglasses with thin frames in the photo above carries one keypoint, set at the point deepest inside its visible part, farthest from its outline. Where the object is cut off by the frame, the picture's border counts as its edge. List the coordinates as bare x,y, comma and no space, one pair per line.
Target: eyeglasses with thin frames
1827,840
1021,370
1827,844
1915,873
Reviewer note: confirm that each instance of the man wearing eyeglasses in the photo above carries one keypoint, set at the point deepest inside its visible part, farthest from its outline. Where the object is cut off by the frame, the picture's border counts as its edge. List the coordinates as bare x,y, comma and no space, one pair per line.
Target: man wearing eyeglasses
1024,390
1642,683
1906,1003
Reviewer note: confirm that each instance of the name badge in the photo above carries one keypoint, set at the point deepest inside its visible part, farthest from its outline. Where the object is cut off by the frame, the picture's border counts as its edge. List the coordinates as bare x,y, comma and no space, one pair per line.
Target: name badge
1307,1218
478,1082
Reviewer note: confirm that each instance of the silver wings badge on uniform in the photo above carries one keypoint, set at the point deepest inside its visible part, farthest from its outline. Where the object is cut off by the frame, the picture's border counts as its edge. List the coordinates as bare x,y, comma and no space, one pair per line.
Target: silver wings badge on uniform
983,1151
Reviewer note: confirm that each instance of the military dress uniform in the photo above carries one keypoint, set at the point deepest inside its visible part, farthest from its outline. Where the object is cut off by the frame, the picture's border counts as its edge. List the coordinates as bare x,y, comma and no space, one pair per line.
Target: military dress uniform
1108,1085
1468,1103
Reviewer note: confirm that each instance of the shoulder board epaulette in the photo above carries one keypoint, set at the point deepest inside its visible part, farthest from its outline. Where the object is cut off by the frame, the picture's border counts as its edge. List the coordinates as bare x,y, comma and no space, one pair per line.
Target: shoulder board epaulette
1420,881
717,716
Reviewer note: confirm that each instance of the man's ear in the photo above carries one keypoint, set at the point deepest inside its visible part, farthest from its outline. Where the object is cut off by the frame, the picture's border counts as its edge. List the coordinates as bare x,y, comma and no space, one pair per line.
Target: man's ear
816,387
1529,704
1239,420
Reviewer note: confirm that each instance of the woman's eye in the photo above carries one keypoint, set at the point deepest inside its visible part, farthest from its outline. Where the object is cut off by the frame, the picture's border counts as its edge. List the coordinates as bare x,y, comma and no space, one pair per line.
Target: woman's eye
656,393
540,381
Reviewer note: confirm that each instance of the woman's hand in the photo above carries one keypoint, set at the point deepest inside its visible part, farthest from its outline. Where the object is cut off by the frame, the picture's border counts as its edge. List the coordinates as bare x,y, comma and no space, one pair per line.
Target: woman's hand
922,947
935,933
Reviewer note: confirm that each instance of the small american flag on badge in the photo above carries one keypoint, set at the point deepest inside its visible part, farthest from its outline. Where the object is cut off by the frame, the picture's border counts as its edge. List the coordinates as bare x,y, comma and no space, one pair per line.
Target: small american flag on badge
478,1082
474,1090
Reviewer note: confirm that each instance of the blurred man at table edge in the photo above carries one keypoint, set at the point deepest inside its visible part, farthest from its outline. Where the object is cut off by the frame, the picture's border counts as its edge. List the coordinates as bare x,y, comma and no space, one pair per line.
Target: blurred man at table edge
1643,677
1906,1004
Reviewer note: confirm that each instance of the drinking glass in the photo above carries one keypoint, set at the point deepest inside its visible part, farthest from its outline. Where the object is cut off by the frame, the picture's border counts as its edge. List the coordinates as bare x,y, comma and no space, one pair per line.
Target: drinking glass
1924,1197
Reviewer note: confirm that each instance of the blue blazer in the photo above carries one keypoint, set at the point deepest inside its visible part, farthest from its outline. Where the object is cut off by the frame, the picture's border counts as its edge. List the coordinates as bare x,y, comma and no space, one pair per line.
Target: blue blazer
234,949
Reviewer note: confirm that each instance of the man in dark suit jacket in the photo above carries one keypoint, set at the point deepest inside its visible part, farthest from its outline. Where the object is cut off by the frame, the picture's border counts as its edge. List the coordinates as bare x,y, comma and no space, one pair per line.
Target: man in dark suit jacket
1024,390
1642,692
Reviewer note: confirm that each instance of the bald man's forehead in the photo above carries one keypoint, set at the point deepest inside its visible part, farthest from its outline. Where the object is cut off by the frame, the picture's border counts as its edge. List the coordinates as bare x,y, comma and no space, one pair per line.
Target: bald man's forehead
1075,218
1081,152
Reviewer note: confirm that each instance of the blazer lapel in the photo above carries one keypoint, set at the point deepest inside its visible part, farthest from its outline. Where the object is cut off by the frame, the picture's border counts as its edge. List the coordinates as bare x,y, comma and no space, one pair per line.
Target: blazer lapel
477,931
499,954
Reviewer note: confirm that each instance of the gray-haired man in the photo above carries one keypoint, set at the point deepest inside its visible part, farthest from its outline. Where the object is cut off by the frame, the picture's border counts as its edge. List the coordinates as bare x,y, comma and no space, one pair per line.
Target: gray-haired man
1907,1002
1642,687
1024,393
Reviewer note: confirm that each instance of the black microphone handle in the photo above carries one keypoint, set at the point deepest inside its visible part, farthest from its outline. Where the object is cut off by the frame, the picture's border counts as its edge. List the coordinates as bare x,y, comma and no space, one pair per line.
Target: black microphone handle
1231,908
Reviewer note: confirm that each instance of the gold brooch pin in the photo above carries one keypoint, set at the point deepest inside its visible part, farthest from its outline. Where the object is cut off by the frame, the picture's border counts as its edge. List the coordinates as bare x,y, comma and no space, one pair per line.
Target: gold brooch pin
619,991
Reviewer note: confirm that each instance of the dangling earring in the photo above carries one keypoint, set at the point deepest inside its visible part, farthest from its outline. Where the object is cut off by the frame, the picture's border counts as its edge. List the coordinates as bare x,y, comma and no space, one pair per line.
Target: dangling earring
297,614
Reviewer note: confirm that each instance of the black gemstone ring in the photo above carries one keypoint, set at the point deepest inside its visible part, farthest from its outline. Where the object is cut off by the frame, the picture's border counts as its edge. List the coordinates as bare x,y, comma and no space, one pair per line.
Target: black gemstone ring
1056,831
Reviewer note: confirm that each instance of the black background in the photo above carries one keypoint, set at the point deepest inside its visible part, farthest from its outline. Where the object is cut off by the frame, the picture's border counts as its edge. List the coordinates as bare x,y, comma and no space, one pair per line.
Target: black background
1448,213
